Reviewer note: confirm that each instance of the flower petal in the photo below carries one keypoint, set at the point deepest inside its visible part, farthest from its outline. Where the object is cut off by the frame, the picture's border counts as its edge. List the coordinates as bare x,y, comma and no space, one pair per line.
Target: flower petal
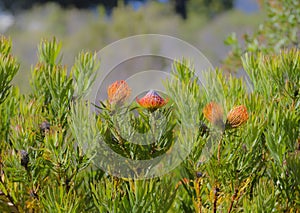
152,101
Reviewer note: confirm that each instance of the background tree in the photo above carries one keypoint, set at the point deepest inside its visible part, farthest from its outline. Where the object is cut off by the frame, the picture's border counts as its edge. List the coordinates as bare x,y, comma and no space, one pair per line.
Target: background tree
182,7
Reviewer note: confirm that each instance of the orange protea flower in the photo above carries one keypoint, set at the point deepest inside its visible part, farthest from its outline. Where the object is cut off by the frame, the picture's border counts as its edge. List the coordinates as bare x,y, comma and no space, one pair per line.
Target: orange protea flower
118,92
213,112
237,116
152,101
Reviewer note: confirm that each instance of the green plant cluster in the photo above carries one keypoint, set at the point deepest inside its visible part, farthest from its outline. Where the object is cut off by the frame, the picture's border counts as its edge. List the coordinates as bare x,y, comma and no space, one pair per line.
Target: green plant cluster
45,165
281,29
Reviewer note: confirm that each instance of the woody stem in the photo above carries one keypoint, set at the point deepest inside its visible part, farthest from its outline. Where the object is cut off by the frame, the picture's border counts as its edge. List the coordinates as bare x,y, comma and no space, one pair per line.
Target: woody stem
153,128
216,194
232,200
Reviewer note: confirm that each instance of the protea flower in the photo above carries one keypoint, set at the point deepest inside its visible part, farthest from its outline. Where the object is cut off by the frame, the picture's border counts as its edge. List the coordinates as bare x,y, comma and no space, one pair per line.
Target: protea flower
152,101
213,112
237,116
118,92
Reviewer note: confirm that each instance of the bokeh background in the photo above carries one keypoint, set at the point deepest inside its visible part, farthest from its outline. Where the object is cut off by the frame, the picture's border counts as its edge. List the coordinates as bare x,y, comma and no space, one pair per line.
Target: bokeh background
91,25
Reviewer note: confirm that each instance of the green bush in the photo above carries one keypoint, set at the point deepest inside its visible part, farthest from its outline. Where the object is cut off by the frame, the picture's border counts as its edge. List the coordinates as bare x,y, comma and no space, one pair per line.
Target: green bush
279,30
252,164
254,168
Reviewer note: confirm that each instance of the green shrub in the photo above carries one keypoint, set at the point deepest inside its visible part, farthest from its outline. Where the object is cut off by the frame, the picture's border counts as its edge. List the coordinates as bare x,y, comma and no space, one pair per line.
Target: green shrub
254,166
279,30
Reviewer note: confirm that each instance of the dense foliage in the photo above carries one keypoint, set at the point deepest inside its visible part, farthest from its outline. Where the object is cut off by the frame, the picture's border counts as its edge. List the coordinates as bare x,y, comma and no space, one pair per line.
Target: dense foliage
281,29
252,164
255,169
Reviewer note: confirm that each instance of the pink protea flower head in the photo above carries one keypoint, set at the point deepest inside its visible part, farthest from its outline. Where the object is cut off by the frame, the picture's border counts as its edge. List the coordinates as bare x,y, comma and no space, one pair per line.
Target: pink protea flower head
152,101
118,92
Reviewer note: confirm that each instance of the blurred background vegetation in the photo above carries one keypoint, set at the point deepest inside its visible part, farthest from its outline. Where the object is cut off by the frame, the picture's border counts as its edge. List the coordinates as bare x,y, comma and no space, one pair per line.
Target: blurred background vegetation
94,24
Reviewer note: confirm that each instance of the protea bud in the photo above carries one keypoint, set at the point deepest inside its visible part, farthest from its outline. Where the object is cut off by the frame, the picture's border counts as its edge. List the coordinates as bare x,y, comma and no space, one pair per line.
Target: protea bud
44,127
118,92
236,117
199,174
203,129
213,112
24,158
152,101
